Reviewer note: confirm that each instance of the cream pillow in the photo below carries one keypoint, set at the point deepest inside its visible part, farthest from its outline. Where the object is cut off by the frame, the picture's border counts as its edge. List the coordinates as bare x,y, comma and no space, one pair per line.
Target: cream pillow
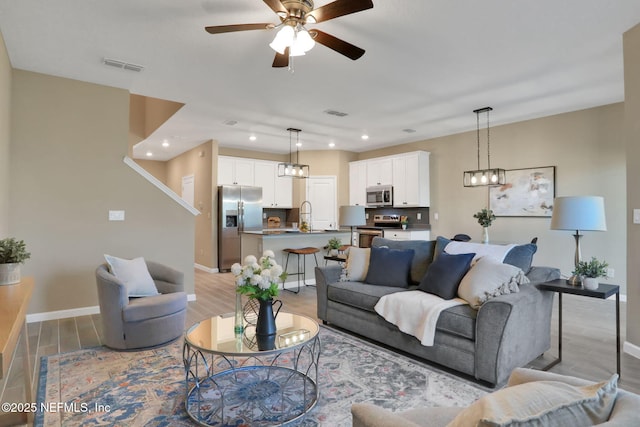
357,265
134,274
542,403
489,278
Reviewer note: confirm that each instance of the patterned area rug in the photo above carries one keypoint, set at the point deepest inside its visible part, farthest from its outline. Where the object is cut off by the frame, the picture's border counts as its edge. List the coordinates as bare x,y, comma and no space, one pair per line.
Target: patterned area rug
101,387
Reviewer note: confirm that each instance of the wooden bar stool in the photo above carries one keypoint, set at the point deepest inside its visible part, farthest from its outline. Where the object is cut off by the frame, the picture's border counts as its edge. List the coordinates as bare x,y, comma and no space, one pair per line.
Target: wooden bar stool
301,272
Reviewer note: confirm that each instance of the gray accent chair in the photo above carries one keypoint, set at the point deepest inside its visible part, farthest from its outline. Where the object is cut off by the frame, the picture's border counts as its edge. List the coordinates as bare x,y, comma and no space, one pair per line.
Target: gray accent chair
367,415
137,323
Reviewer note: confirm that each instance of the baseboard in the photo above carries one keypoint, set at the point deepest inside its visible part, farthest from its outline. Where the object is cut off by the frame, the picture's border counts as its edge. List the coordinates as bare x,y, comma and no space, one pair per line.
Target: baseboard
62,314
631,349
294,284
74,312
205,268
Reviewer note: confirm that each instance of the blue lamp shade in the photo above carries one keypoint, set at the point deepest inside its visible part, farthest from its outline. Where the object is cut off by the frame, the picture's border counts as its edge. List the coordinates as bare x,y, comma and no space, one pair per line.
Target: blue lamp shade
579,213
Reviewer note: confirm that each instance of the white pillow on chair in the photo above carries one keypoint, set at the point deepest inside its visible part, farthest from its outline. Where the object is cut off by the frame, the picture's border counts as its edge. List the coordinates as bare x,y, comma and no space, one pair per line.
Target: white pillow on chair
134,274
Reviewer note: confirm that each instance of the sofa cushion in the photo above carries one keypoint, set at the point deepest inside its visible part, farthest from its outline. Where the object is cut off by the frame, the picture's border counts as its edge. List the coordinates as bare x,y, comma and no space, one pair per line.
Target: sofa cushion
360,295
444,275
390,267
459,320
488,279
423,251
134,274
542,403
521,256
357,265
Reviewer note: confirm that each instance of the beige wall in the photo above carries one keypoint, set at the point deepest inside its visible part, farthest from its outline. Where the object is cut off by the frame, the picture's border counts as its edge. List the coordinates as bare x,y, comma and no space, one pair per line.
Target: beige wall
199,163
323,163
147,114
68,142
5,137
157,168
587,148
632,139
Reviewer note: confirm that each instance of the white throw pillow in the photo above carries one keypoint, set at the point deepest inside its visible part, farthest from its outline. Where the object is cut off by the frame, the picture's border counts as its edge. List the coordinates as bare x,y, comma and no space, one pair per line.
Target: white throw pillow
489,278
134,274
357,265
542,403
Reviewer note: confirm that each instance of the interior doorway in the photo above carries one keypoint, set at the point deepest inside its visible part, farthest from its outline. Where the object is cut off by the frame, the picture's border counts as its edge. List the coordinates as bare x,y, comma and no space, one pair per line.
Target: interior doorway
188,185
321,192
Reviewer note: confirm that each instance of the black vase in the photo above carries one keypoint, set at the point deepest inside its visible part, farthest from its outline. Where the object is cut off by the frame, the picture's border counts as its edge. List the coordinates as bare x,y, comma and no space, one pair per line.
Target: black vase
266,324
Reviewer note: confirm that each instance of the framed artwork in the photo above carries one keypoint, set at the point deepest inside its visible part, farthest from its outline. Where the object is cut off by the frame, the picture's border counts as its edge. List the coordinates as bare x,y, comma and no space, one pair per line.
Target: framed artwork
527,192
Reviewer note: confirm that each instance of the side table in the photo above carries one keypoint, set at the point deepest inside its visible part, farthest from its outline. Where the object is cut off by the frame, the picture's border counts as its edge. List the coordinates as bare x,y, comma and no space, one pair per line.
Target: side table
603,291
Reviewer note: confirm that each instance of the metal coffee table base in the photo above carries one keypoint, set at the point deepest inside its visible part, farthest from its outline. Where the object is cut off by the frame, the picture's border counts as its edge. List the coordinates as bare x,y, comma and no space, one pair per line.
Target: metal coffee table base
273,389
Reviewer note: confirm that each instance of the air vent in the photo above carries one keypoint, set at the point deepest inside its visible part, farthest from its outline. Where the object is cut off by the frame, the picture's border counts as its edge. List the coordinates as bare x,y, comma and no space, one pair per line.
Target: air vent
123,65
335,113
230,122
409,130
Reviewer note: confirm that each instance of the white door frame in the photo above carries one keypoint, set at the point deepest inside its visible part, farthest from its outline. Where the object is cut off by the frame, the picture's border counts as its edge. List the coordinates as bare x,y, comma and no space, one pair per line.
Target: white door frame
334,181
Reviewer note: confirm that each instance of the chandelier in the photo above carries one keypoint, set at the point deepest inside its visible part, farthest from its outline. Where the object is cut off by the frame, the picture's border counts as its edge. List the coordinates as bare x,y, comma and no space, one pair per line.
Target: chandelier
291,169
488,176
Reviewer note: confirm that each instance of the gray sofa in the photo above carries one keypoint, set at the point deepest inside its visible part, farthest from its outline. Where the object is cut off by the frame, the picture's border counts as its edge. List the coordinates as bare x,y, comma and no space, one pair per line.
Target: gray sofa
506,332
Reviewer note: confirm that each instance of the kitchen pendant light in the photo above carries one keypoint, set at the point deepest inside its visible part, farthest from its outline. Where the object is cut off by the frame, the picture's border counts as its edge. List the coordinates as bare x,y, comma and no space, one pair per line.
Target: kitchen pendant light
488,176
291,169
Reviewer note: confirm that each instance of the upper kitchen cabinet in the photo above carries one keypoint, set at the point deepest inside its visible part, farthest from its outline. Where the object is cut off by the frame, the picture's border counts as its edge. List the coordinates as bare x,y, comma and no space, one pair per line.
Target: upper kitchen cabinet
235,171
277,192
358,183
379,171
411,180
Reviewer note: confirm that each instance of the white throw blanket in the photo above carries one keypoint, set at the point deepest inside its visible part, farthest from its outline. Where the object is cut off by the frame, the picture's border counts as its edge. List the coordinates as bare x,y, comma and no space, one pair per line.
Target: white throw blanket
497,252
415,312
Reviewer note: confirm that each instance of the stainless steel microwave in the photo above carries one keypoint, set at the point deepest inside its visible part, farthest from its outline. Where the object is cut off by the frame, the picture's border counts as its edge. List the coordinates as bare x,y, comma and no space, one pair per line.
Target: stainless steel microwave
378,196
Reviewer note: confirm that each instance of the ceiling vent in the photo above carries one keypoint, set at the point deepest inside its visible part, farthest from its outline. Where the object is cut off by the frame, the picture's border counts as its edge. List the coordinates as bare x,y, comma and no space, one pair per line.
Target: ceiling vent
124,65
230,122
409,130
335,113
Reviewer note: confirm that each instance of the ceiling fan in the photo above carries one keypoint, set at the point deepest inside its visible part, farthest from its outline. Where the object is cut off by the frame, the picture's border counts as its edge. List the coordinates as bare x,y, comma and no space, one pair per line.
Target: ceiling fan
293,39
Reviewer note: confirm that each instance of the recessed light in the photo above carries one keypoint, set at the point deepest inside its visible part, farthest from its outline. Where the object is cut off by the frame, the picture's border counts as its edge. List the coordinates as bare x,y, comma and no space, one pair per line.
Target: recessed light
165,143
365,137
332,144
149,154
298,144
252,138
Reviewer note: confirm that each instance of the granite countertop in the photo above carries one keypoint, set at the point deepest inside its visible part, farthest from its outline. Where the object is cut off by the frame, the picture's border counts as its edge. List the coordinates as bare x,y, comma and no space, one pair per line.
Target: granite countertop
291,232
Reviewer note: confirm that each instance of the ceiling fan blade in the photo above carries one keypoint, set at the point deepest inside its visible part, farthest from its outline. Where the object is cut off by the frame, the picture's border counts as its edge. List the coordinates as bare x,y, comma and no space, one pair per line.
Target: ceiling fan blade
340,46
281,60
276,6
340,8
217,29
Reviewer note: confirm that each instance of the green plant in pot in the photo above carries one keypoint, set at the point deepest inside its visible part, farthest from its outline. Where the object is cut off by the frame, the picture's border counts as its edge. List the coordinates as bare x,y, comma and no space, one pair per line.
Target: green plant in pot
334,244
590,271
485,218
13,252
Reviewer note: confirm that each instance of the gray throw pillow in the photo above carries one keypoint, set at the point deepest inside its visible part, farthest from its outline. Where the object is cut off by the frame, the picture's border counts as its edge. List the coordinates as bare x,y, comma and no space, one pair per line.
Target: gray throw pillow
441,243
390,267
521,256
445,273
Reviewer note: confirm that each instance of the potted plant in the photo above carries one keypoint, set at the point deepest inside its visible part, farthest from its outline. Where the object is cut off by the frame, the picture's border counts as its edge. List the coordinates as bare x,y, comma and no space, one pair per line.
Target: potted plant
12,253
485,219
404,221
590,271
333,245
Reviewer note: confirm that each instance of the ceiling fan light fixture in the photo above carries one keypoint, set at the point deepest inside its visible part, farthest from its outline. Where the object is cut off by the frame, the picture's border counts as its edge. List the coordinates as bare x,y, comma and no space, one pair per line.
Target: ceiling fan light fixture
283,39
304,39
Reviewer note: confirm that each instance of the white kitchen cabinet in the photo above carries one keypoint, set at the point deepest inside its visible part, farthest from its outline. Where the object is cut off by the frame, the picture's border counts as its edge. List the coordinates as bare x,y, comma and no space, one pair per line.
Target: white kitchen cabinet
276,192
411,180
358,183
235,171
379,171
407,234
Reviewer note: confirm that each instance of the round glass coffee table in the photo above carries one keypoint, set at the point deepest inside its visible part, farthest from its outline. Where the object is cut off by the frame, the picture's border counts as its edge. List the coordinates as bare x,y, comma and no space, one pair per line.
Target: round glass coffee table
229,382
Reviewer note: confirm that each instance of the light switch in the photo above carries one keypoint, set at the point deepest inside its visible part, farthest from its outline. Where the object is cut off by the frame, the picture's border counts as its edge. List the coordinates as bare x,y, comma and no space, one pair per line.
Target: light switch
636,216
436,216
116,215
419,216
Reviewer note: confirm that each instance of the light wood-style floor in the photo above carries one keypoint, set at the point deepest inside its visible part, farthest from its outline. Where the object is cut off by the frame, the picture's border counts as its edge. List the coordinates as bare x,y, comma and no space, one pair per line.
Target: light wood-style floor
588,335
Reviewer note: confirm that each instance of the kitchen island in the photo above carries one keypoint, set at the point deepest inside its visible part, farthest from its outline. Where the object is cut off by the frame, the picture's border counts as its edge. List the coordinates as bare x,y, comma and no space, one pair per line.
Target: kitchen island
276,240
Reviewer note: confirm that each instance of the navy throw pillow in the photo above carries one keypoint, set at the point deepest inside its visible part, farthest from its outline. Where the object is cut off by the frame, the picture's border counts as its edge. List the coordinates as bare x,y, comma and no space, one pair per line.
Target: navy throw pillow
445,273
390,267
521,256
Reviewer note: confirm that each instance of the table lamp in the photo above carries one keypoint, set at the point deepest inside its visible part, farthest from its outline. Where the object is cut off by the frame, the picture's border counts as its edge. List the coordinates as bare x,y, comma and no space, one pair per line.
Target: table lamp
578,213
352,216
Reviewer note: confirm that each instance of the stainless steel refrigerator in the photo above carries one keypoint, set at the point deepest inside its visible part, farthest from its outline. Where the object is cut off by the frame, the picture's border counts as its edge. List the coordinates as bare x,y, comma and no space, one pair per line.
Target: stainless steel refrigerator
239,209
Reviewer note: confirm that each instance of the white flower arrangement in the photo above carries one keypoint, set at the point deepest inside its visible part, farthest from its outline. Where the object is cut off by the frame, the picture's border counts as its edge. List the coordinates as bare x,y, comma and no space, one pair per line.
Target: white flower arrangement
258,278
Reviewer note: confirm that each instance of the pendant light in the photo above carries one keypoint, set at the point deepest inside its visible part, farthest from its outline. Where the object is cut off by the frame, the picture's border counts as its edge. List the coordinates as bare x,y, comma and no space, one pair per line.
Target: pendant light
291,169
488,176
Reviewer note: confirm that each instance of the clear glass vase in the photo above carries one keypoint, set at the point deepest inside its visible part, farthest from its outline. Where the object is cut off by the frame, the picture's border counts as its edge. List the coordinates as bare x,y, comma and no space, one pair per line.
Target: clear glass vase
238,327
